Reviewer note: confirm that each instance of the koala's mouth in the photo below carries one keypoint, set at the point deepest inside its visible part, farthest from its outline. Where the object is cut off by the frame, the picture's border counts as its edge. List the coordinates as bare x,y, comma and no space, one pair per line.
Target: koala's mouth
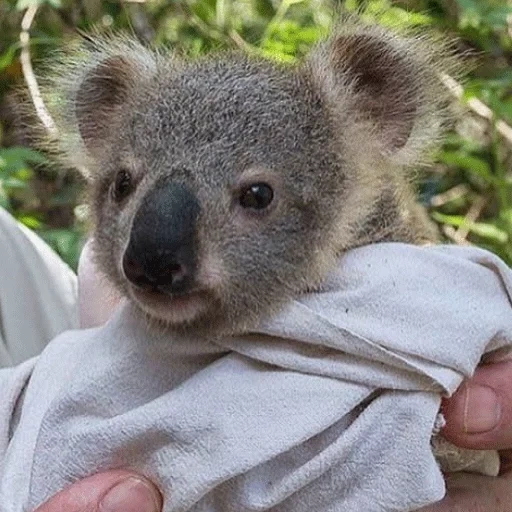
172,309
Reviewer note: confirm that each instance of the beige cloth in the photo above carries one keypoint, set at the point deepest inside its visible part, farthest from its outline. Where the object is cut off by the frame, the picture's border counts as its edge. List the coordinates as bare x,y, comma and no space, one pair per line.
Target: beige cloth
38,293
327,407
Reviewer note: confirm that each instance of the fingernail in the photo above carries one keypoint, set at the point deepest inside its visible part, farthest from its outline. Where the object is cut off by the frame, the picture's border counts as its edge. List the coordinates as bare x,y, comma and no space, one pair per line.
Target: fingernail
482,409
130,495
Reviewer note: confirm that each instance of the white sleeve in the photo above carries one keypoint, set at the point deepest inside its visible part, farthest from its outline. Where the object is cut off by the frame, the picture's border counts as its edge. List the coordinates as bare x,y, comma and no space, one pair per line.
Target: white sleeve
38,293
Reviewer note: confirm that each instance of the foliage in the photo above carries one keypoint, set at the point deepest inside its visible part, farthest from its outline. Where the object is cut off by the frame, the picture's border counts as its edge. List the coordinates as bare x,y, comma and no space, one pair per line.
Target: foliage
469,193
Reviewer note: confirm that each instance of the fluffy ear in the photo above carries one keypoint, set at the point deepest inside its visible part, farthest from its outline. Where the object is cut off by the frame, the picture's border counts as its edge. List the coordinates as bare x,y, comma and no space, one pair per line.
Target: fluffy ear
103,90
390,82
383,79
86,91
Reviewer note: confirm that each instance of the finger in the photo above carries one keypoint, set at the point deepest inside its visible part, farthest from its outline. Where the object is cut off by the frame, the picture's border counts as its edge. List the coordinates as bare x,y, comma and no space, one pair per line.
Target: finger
479,415
114,491
473,493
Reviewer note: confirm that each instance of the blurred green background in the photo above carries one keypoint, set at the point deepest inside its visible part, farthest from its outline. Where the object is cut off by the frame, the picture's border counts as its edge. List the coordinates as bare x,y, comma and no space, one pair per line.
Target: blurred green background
468,192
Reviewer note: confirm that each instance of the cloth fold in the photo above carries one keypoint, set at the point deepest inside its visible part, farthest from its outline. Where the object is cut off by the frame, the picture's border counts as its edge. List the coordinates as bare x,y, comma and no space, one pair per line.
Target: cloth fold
328,406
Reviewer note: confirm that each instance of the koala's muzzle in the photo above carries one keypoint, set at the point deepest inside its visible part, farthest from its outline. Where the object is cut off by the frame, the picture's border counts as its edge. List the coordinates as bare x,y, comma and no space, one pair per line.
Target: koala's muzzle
161,253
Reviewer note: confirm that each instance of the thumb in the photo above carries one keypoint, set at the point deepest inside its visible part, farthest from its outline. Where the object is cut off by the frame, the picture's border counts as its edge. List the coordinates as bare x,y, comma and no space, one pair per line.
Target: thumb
113,491
479,414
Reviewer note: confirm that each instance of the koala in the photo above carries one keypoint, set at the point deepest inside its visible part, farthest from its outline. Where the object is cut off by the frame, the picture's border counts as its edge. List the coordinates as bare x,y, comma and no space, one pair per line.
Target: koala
224,186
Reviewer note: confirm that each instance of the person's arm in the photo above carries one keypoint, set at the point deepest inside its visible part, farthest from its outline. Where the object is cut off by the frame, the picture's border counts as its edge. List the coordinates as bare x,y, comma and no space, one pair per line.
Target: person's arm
113,491
38,293
479,416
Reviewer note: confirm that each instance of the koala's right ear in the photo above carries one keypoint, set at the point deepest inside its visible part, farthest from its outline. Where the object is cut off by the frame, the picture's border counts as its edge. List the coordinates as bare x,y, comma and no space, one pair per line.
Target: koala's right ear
88,88
102,91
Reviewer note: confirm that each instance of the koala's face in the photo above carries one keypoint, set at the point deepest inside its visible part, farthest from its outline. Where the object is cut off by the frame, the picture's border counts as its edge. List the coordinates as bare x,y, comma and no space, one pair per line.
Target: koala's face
213,193
224,187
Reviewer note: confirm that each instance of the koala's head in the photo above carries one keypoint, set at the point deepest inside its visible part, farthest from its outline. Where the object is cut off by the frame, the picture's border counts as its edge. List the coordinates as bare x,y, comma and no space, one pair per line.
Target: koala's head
222,187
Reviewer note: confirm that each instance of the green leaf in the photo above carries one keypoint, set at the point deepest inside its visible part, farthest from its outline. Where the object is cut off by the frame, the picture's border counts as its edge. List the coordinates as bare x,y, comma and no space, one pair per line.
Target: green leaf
30,221
7,57
265,8
4,199
469,163
14,183
451,220
482,229
472,6
489,231
498,16
395,16
15,159
506,217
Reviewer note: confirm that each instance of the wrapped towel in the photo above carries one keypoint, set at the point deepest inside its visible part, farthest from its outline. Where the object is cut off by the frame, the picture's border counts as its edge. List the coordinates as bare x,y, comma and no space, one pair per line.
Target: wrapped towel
328,406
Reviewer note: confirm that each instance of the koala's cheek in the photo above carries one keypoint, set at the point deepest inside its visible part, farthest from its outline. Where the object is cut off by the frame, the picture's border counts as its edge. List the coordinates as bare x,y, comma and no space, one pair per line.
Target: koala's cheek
110,242
212,273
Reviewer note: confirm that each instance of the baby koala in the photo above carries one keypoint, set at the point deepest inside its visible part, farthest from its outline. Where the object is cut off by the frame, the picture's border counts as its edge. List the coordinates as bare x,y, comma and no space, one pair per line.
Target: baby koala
222,187
223,190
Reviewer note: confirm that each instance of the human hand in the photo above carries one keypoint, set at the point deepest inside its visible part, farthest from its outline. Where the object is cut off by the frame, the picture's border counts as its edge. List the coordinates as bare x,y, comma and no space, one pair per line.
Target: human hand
97,299
113,491
479,416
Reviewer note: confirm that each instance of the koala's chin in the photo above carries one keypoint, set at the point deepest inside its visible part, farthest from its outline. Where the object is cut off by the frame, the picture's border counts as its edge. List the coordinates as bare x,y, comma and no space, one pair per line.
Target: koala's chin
180,310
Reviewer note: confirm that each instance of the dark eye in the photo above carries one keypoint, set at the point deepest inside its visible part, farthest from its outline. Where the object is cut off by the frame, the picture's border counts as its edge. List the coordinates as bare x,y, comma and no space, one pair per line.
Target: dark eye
122,186
256,196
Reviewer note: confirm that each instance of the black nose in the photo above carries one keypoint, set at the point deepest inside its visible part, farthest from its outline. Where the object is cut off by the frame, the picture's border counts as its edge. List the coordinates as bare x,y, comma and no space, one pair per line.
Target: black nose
173,277
161,253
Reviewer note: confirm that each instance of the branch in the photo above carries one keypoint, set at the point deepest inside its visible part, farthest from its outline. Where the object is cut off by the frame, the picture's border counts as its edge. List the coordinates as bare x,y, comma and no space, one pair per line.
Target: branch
478,107
28,72
471,217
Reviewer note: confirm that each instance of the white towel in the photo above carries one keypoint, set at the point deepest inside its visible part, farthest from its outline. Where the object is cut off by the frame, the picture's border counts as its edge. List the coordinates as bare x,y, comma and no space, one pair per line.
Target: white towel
328,407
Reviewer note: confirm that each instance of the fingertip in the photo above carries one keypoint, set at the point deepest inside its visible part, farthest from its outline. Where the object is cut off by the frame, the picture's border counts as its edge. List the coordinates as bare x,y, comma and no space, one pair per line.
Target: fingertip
86,495
133,494
453,411
479,414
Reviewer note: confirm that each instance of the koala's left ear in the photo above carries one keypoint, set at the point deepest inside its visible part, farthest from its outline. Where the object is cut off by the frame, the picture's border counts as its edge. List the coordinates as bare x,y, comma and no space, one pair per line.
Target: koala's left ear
100,94
88,91
370,74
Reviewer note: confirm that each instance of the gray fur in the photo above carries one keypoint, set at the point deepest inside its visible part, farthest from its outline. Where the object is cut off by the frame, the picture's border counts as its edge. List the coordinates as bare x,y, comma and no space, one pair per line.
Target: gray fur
333,141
